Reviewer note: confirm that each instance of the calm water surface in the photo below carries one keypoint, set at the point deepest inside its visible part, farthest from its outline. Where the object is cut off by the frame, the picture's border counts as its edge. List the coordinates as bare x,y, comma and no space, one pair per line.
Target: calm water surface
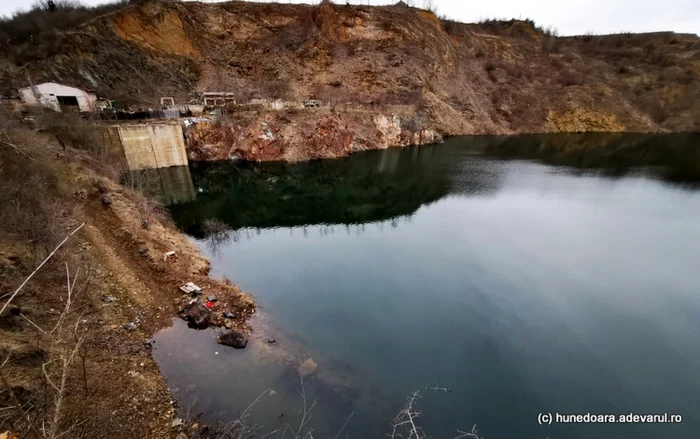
524,288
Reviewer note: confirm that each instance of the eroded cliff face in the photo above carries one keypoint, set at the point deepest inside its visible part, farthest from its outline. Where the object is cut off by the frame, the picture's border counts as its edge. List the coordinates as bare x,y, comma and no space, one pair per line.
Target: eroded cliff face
371,65
303,135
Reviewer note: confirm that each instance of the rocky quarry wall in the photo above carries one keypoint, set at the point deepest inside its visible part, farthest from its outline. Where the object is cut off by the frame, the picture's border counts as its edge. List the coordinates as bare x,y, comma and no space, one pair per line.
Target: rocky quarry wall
496,77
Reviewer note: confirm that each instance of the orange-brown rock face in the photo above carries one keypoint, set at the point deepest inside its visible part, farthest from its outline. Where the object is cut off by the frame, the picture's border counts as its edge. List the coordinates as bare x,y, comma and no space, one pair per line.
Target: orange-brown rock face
387,76
302,135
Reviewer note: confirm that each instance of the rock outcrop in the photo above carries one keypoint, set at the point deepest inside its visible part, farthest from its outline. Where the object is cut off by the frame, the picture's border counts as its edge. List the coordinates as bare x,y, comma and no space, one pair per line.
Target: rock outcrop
385,76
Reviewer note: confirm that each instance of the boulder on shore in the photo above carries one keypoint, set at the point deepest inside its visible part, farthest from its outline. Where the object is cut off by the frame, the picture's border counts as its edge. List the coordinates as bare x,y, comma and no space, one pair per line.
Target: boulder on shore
197,315
234,339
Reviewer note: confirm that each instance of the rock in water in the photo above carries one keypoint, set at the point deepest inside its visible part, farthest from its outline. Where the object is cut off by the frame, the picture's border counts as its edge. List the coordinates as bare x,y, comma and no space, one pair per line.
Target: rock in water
307,367
234,339
197,315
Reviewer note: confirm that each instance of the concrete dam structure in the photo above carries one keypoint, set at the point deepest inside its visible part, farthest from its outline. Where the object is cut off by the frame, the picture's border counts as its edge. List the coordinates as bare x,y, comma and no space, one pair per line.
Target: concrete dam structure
147,146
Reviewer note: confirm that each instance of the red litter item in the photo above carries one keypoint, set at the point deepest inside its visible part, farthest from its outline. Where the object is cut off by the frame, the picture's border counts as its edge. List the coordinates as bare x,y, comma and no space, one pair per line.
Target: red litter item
209,304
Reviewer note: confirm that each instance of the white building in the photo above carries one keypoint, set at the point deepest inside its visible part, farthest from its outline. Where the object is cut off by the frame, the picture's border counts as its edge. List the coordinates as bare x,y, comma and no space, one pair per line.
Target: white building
59,97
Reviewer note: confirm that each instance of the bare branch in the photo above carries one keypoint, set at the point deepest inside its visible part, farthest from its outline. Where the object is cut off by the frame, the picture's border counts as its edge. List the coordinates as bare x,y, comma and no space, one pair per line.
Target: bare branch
17,149
33,324
69,286
38,268
405,423
265,436
72,427
46,375
61,392
343,427
470,434
18,406
306,413
9,354
241,419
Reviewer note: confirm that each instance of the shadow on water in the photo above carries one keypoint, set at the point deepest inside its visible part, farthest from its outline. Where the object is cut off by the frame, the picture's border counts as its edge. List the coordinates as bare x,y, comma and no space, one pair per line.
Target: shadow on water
170,186
381,185
369,187
673,157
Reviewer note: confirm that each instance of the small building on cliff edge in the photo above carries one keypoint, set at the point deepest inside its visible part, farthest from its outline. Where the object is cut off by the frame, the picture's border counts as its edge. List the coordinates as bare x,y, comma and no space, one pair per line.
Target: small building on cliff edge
59,97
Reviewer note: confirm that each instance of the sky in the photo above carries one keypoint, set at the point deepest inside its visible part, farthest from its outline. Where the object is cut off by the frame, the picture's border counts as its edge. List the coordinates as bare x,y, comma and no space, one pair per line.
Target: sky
570,17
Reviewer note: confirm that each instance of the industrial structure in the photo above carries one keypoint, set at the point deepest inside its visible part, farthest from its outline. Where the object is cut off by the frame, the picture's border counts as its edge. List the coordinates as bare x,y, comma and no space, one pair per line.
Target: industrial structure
59,97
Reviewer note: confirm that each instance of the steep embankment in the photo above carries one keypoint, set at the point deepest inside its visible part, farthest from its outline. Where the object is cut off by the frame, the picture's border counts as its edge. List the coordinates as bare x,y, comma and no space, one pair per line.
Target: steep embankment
125,287
372,64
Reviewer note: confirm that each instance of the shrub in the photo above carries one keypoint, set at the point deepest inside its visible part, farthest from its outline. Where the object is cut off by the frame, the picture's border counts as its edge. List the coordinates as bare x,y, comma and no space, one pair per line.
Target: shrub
276,89
99,185
142,186
556,63
40,20
71,129
550,44
451,27
490,65
569,77
653,108
492,76
496,97
30,211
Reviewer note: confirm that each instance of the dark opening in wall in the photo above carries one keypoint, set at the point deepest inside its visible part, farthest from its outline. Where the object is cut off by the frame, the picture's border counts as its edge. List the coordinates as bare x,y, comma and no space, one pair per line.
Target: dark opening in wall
69,103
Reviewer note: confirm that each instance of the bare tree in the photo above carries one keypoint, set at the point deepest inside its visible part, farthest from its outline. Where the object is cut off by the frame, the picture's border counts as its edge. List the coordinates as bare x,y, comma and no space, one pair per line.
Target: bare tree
66,341
406,426
243,427
468,434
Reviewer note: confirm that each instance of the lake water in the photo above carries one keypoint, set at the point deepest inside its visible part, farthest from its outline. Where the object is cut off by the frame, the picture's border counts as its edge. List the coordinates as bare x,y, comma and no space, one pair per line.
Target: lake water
523,288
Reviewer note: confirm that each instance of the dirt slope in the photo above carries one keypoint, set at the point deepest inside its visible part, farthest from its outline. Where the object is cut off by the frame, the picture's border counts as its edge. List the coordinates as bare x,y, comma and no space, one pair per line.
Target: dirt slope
125,290
454,78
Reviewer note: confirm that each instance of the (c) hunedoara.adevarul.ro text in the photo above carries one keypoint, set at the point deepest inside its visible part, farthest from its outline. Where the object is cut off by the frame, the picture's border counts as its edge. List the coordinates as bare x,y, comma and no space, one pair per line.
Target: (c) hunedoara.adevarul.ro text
595,418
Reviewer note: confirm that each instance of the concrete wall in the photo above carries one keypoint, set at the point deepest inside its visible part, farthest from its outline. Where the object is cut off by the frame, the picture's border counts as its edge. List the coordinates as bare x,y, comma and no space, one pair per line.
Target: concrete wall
152,146
172,185
176,184
46,94
113,145
195,109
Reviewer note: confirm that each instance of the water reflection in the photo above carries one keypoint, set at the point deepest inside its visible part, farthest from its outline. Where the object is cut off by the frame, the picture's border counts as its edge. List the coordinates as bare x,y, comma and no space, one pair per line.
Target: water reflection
378,186
676,157
170,186
381,185
218,235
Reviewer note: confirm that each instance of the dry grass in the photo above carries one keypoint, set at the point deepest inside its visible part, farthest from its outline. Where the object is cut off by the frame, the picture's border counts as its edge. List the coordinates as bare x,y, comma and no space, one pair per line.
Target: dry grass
140,186
26,24
42,27
569,77
61,380
32,212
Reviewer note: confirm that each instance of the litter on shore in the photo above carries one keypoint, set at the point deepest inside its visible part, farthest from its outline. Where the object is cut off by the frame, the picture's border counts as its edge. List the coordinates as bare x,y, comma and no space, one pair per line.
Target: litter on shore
190,288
